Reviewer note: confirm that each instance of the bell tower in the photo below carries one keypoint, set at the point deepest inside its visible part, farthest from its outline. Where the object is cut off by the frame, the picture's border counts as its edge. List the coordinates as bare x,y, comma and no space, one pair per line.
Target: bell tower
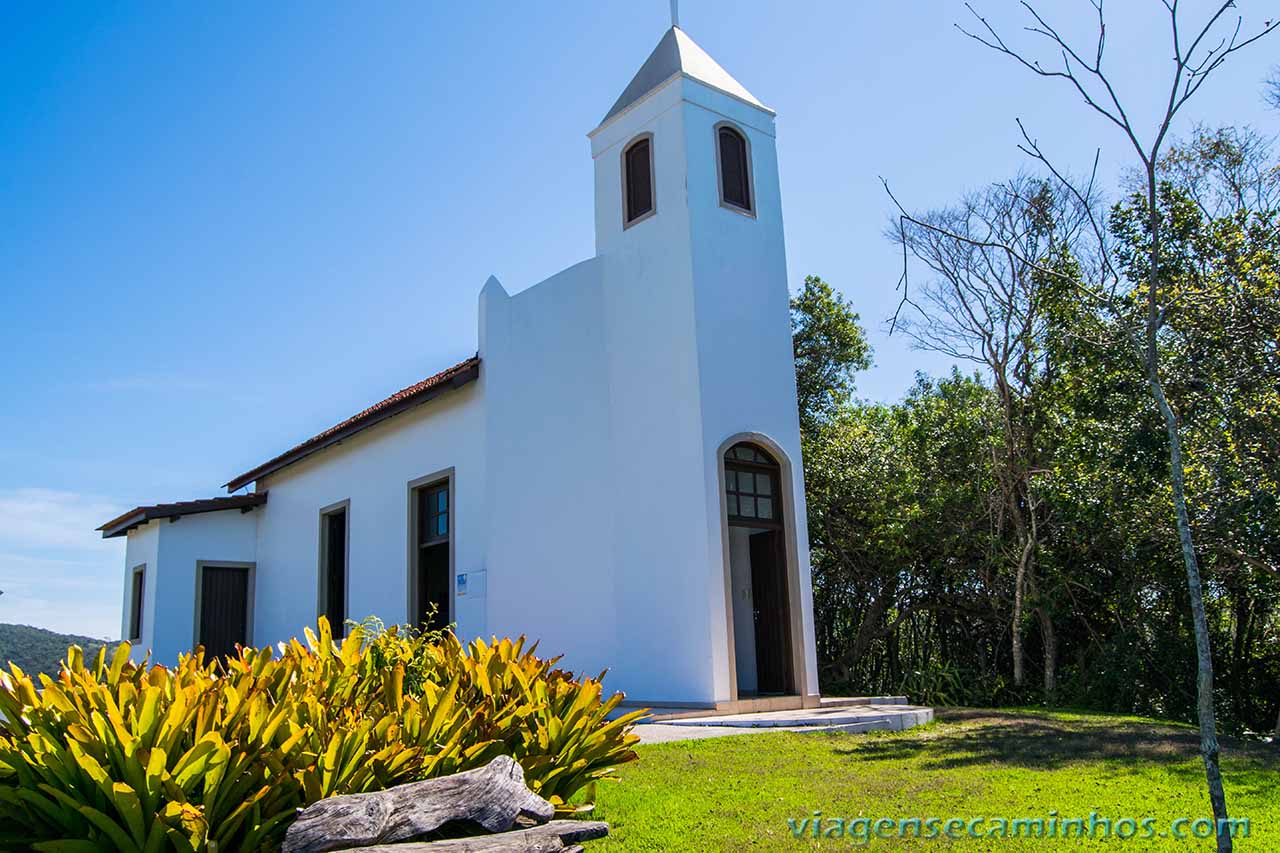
689,239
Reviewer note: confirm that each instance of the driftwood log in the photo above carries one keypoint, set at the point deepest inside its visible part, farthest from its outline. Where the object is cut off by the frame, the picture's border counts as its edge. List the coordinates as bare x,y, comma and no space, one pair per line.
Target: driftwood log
559,836
492,797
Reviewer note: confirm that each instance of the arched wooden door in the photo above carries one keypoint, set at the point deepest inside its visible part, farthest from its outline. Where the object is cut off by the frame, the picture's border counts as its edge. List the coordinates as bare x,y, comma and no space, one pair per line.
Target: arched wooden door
758,572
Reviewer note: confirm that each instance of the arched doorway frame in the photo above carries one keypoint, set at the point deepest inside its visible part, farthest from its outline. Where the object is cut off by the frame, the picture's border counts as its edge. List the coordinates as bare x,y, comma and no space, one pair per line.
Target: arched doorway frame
795,615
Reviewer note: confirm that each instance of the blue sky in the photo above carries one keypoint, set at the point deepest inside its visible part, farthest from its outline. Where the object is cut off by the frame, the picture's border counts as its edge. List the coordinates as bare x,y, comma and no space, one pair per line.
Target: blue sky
228,226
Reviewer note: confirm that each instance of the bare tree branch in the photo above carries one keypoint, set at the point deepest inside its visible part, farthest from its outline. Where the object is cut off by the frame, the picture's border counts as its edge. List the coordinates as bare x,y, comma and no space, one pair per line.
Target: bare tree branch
1272,92
1192,66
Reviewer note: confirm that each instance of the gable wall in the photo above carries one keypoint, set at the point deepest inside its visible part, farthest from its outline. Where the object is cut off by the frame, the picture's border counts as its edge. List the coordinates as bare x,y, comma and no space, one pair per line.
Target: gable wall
550,479
142,547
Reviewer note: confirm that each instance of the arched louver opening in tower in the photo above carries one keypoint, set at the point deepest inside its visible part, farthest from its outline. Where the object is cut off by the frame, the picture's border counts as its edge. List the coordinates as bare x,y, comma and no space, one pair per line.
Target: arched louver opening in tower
637,182
735,169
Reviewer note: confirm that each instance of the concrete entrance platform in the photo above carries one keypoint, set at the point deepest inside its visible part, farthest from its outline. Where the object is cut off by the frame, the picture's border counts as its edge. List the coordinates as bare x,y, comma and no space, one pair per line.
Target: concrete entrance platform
662,713
863,714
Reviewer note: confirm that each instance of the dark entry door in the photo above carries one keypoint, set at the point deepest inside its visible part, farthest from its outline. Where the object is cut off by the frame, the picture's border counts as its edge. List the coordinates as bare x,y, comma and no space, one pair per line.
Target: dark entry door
433,586
224,609
769,598
434,525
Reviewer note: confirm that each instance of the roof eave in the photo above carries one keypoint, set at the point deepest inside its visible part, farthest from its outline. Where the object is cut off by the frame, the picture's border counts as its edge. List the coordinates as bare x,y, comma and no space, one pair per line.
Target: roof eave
142,515
121,526
687,76
462,378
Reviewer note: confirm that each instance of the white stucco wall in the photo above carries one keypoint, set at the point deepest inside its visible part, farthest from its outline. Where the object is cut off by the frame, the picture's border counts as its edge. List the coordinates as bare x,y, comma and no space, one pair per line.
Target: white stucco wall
743,330
171,550
372,470
142,548
228,535
551,483
660,544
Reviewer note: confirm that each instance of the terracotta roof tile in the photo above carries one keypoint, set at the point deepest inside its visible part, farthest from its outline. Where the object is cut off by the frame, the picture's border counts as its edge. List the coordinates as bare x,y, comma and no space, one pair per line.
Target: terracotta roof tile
406,398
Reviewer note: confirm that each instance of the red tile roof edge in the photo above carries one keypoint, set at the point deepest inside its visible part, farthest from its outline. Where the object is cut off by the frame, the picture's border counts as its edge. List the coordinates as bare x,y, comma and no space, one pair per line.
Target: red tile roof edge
420,392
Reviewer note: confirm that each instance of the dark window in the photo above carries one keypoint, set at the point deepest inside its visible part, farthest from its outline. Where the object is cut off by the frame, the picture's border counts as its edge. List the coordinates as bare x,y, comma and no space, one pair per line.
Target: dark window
735,173
433,572
748,453
224,609
751,487
638,164
433,514
135,604
334,570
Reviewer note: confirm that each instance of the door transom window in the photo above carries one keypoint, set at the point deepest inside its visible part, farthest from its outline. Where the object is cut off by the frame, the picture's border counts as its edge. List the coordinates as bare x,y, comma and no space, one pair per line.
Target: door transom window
751,487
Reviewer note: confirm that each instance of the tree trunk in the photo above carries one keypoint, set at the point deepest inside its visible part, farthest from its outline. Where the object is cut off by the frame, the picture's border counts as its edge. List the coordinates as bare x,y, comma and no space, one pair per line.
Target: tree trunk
1209,749
870,629
1277,732
1242,609
1050,639
1150,357
1019,582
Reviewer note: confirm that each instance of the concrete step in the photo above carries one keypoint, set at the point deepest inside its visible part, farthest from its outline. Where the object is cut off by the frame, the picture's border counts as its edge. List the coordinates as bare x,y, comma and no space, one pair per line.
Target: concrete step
660,713
845,701
894,717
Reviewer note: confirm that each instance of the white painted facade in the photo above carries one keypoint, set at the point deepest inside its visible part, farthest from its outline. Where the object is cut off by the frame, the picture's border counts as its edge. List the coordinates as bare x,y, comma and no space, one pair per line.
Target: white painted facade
372,471
587,460
169,552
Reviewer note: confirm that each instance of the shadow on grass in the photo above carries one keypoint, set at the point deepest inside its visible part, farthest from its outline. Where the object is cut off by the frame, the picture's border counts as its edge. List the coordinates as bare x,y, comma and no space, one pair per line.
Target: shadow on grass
971,736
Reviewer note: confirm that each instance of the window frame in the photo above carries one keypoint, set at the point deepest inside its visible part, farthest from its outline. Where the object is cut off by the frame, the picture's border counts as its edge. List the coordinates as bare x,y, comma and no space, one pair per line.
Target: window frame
137,602
446,478
653,180
749,211
770,469
433,513
322,572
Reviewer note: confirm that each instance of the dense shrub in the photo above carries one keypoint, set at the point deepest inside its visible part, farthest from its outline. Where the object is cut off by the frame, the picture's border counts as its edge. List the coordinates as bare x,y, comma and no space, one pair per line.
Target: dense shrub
218,754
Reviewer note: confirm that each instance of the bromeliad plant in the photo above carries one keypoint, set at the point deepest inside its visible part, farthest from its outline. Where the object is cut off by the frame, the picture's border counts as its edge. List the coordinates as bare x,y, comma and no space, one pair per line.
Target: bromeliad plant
218,755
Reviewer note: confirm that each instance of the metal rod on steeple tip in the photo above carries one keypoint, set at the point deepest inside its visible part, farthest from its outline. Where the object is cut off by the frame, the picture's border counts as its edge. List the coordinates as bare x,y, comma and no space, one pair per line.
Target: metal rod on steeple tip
675,14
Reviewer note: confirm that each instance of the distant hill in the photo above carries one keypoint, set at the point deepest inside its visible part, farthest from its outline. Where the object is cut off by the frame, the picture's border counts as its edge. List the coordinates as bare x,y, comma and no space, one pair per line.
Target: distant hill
40,650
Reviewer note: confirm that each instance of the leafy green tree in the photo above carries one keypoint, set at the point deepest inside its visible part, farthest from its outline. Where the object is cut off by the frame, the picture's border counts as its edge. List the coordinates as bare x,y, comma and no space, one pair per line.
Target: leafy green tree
984,299
905,581
1195,57
1219,207
912,591
902,565
830,347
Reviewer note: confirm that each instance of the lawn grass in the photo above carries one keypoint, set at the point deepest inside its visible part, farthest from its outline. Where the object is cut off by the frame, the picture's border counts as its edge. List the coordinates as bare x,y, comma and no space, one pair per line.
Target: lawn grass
737,793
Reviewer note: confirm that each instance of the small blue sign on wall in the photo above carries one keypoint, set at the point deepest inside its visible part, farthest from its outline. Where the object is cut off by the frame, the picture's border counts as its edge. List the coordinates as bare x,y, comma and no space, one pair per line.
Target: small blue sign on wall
462,584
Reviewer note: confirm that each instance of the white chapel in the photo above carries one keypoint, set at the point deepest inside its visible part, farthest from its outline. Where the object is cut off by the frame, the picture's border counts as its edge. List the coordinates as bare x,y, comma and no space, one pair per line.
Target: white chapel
616,473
